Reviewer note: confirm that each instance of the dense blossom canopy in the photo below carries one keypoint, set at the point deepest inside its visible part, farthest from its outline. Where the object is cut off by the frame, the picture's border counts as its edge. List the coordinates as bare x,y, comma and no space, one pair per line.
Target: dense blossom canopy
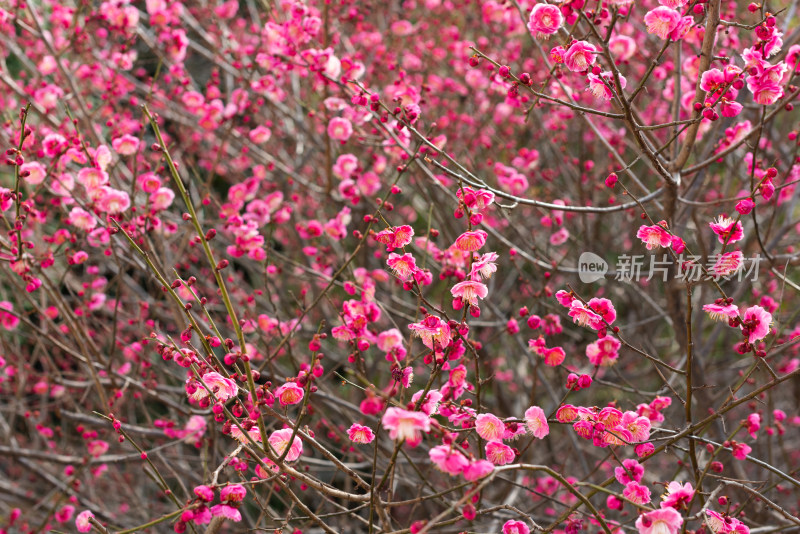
418,266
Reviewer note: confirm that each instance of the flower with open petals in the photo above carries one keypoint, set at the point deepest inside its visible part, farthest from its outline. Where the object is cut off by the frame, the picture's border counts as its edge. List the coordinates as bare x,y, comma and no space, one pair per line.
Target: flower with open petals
360,434
654,236
82,521
728,230
724,524
583,315
233,494
228,512
396,237
290,393
515,527
469,291
222,388
405,425
678,495
604,352
402,266
448,460
280,441
662,21
728,263
580,56
478,470
636,493
661,521
721,312
250,429
536,422
756,322
471,241
545,20
434,332
489,427
603,85
499,453
340,129
629,471
484,267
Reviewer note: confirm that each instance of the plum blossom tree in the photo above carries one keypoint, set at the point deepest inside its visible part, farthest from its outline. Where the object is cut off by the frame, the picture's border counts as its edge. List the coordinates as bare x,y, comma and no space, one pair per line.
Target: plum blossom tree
306,266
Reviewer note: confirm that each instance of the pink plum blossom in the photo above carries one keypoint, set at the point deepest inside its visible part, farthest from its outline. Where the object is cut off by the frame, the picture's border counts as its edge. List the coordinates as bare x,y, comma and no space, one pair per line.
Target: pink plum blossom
360,434
545,20
405,425
280,441
536,422
661,521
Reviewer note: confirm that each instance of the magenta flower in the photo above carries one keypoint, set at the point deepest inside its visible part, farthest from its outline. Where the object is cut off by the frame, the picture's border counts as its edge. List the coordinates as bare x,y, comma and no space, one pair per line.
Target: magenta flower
251,430
662,21
396,237
484,267
448,460
404,425
583,315
82,219
402,266
82,521
604,307
433,331
536,422
233,494
654,236
554,356
604,352
766,93
499,453
629,471
360,434
580,56
515,527
603,85
638,426
622,47
260,134
471,241
545,20
661,521
728,230
469,292
222,388
228,512
289,393
34,172
724,524
280,441
125,145
740,450
756,323
489,427
753,424
728,263
677,496
205,493
478,470
721,312
340,129
745,206
475,199
636,493
431,403
113,201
